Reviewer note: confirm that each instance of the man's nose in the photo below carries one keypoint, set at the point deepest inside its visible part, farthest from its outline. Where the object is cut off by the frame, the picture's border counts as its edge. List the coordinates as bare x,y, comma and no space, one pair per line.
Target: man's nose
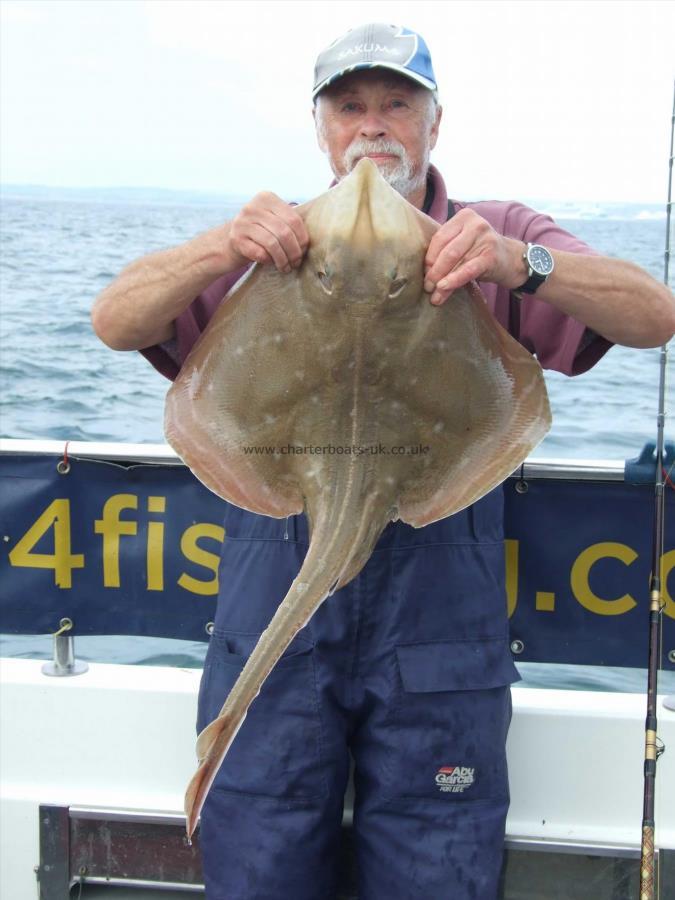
373,126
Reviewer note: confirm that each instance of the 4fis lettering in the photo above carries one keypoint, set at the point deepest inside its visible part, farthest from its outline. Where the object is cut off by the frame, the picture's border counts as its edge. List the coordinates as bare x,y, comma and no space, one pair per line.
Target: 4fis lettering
455,779
130,529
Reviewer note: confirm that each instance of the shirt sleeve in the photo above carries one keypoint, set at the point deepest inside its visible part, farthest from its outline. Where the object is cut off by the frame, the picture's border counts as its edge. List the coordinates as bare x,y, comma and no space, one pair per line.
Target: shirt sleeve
559,341
168,357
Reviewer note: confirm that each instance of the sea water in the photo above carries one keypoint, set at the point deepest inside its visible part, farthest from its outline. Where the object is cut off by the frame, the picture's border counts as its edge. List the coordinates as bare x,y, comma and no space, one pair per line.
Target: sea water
59,249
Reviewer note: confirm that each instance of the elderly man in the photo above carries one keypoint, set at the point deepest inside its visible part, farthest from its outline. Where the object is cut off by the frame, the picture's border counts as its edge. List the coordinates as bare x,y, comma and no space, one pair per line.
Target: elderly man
370,675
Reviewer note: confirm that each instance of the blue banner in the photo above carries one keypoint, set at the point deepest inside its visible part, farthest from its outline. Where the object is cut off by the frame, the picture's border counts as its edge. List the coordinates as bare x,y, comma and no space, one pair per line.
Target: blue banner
134,549
578,560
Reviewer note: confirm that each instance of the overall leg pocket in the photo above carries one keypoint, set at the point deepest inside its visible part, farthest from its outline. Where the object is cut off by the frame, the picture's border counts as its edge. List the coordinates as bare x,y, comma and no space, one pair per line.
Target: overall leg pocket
451,720
277,751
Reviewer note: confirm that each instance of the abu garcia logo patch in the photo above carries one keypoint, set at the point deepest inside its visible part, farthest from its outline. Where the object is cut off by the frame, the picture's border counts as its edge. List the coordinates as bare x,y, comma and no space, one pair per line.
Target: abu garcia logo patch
454,779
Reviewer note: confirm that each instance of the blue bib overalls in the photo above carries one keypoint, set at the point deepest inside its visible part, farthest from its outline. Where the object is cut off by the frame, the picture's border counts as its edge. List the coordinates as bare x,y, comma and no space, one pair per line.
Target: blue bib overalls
408,668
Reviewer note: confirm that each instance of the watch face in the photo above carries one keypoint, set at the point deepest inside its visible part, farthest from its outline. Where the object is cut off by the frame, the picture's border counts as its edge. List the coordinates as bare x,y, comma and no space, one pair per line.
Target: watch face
540,260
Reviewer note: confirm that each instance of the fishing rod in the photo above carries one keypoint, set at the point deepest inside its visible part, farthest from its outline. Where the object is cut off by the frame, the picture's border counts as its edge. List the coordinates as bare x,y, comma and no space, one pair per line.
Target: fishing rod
653,748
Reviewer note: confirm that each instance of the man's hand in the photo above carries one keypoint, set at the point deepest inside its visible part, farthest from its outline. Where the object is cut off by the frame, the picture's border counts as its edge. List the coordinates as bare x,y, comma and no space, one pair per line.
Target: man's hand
467,248
269,231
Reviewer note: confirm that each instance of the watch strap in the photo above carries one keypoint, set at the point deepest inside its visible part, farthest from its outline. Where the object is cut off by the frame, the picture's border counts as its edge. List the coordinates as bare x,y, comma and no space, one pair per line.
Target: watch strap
533,282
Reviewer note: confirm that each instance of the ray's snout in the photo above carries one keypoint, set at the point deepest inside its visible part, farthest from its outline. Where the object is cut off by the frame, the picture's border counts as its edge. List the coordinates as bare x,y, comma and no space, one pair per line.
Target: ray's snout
368,244
372,214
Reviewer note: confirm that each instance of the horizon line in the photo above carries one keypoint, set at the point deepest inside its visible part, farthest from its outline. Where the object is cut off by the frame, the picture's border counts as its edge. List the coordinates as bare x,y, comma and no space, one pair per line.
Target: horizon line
219,192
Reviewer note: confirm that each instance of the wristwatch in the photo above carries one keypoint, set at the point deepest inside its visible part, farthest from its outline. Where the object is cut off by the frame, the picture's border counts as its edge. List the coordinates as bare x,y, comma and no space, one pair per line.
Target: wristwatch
539,266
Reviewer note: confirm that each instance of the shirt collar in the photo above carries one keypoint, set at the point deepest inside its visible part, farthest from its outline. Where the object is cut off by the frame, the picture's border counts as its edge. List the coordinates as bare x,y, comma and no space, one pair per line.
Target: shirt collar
439,204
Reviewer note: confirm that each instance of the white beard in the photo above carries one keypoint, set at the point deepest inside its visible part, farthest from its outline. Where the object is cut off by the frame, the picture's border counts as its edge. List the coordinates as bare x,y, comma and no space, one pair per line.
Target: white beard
400,175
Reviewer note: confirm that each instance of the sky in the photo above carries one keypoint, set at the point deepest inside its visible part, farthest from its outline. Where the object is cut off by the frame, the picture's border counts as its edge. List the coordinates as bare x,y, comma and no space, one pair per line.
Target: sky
554,100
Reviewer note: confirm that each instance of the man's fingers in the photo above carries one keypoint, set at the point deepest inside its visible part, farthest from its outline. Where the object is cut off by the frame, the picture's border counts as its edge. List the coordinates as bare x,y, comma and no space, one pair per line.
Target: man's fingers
268,230
462,275
250,250
287,218
265,239
447,258
286,236
297,225
445,234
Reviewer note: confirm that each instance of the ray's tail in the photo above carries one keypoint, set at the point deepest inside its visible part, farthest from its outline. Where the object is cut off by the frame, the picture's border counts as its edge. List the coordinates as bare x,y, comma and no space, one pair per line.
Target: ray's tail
341,541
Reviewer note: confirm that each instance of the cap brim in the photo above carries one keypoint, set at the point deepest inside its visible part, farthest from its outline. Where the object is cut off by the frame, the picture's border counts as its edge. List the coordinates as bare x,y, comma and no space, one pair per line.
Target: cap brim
394,67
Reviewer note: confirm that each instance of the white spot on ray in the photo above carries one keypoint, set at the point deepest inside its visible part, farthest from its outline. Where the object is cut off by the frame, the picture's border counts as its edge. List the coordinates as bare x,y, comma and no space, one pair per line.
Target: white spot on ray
439,426
195,383
239,351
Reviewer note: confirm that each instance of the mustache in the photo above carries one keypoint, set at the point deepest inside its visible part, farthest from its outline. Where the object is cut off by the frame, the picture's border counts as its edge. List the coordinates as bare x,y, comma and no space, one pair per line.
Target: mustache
362,147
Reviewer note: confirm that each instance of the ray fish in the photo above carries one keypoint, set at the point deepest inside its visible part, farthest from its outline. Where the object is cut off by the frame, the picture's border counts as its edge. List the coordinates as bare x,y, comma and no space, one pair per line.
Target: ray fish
437,405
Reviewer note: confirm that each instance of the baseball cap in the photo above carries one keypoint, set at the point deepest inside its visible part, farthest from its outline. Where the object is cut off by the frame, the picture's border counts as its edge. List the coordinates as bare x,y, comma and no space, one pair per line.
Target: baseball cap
371,46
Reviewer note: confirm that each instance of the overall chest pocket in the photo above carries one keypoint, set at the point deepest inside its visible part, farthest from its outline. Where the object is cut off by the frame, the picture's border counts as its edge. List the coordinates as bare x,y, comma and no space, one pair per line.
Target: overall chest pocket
277,751
451,720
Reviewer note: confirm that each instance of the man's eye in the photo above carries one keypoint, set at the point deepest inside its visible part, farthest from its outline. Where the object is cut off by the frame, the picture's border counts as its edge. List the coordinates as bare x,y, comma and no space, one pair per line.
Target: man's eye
398,104
349,107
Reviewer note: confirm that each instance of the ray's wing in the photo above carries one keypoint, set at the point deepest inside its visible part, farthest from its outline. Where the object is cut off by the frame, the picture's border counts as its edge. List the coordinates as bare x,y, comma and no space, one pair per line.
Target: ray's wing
223,411
475,397
242,388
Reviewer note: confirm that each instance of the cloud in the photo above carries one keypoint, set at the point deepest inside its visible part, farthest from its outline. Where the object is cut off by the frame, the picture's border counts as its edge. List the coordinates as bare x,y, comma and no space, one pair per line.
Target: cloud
21,13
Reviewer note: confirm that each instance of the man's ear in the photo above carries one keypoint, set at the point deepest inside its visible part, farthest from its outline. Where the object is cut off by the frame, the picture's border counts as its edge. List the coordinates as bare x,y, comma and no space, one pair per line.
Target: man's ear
319,137
433,137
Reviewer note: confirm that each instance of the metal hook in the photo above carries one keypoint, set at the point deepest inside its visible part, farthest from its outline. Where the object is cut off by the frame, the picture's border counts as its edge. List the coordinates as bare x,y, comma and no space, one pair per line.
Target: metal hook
64,625
63,466
522,486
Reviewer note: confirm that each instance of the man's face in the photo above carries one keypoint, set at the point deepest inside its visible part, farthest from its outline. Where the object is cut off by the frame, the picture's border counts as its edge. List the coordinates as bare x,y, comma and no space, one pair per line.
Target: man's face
384,116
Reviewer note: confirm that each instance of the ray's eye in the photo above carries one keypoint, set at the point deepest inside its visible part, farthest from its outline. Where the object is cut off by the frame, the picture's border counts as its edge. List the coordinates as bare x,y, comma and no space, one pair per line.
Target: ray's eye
397,286
326,282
